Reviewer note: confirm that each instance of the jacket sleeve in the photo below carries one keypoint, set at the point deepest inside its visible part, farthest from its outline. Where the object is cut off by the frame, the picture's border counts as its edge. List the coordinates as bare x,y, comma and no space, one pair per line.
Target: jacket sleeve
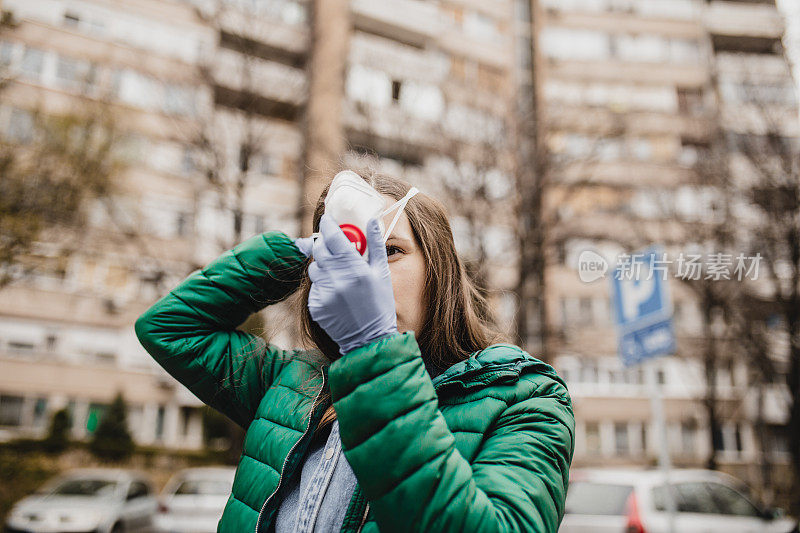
405,458
191,331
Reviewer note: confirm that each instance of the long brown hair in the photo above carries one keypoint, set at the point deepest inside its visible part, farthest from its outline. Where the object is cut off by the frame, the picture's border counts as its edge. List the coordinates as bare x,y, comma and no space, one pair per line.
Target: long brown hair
457,320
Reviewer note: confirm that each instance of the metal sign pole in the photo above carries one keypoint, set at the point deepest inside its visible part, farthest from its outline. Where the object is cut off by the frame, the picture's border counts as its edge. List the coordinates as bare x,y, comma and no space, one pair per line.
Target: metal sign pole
646,331
657,406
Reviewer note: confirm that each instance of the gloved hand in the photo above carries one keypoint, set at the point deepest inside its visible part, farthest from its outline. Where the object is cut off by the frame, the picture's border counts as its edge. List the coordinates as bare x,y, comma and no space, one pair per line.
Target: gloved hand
350,298
304,244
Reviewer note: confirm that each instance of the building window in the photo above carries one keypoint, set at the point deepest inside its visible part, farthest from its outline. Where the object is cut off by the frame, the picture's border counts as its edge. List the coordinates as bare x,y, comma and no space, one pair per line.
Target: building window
50,342
573,44
40,412
396,85
585,315
188,164
6,53
136,89
21,347
67,69
259,224
105,358
589,372
688,437
421,100
178,100
641,149
32,63
593,438
368,86
644,438
737,438
71,19
777,438
97,27
621,444
690,101
565,313
183,224
11,410
268,165
186,418
160,422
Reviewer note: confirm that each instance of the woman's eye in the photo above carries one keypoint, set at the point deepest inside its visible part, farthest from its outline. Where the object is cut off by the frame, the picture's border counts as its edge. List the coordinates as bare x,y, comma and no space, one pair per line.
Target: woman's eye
392,249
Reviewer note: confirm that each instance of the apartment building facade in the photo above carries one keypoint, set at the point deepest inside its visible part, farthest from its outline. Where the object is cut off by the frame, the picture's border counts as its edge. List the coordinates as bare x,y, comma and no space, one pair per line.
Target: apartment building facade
430,91
66,325
635,92
211,97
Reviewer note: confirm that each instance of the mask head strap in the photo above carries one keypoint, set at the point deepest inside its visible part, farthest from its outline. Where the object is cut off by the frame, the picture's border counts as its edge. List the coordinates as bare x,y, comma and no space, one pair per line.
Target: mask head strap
400,205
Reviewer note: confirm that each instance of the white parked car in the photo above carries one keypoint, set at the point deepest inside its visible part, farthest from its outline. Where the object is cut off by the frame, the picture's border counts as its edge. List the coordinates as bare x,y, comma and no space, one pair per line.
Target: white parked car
631,501
193,500
87,500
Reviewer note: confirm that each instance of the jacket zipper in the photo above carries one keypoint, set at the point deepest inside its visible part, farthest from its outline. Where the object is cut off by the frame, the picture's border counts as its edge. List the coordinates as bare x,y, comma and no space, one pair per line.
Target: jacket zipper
366,508
363,519
291,451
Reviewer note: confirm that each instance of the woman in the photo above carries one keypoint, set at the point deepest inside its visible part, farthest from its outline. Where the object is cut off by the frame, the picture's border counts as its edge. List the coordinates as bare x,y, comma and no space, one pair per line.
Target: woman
440,429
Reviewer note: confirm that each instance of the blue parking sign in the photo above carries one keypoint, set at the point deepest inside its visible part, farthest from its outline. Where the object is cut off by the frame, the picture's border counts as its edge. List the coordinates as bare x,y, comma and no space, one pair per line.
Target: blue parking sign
642,308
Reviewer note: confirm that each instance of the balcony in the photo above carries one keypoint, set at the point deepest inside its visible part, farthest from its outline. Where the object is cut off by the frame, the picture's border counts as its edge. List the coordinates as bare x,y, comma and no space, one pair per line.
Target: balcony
410,21
743,20
267,79
270,33
391,131
487,51
600,120
397,60
618,71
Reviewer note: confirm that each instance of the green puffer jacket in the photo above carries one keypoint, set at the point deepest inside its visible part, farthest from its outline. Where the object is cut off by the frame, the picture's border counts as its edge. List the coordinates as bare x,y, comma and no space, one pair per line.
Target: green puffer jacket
485,446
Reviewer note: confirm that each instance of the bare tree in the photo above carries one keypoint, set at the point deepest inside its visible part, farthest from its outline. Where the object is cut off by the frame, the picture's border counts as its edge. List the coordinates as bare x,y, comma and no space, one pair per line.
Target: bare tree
773,159
251,86
51,170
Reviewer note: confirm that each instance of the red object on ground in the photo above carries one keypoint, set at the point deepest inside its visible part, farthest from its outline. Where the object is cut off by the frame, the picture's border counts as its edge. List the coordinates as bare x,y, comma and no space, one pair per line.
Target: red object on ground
356,236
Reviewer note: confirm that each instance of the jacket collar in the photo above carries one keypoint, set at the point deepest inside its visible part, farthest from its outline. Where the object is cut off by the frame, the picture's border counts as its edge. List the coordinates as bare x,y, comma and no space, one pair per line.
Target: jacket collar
499,363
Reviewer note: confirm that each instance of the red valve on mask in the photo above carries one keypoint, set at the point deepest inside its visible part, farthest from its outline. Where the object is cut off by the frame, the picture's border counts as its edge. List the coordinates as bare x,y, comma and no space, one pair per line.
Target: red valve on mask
356,236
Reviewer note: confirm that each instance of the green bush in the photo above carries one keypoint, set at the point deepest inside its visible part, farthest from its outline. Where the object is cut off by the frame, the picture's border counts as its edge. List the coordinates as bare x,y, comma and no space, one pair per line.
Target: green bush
57,438
111,440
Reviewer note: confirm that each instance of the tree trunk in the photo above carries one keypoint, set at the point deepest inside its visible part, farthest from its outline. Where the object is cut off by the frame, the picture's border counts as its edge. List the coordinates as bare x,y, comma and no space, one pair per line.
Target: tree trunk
710,370
531,230
768,493
793,380
324,141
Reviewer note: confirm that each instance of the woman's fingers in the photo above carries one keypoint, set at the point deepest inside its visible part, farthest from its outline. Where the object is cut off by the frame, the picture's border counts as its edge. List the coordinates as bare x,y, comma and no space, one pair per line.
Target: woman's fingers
375,244
314,272
304,244
319,251
335,239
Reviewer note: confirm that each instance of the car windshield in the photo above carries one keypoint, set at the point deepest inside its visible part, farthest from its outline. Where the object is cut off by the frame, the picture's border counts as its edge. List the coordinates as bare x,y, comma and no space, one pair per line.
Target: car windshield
204,487
705,498
85,487
597,498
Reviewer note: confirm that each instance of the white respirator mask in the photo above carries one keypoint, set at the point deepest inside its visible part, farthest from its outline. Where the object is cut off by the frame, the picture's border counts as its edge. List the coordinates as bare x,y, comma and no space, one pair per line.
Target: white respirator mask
352,202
